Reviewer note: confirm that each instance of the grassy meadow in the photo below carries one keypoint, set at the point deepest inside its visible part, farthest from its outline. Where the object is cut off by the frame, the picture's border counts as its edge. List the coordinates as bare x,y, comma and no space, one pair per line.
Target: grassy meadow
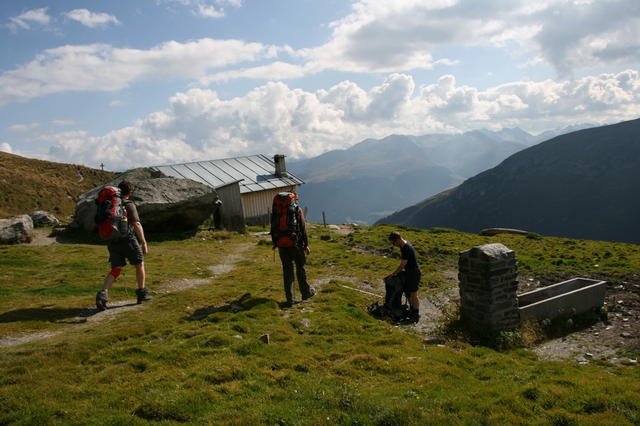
194,355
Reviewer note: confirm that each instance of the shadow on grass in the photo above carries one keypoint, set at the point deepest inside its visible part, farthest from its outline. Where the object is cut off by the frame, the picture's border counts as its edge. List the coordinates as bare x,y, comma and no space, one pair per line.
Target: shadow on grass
57,315
70,235
244,303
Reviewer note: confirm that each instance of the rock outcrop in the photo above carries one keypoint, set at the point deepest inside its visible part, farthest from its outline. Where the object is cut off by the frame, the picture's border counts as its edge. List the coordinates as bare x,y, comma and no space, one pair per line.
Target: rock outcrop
165,204
42,218
16,230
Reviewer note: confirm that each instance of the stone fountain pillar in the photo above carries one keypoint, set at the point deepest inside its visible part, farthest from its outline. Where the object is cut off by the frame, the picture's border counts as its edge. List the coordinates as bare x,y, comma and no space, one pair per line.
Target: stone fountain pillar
488,288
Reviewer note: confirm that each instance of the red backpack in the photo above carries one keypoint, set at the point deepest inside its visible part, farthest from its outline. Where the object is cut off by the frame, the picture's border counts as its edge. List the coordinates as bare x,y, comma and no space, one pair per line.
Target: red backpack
285,221
111,216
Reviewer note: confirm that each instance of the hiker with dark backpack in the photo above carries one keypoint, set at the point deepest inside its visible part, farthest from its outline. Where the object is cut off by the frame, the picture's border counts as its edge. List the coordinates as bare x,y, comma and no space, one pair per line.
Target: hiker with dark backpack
289,235
409,270
119,225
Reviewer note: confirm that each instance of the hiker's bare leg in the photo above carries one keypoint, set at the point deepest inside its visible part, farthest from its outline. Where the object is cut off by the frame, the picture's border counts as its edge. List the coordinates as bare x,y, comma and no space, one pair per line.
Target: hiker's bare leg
110,279
414,302
140,274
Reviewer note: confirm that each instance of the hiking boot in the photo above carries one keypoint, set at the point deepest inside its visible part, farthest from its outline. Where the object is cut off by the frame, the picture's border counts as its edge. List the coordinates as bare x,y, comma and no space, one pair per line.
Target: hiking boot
312,293
412,317
101,300
141,294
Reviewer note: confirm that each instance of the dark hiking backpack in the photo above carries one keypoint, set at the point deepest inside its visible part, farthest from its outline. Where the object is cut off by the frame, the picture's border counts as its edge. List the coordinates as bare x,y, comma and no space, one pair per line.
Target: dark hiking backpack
111,216
393,308
285,220
394,289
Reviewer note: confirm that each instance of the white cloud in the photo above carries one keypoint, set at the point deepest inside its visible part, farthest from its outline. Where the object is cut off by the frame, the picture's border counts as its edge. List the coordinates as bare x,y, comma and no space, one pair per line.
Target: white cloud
378,36
63,123
383,36
206,8
100,67
26,19
275,118
536,106
59,136
575,36
5,147
21,128
209,11
92,19
273,71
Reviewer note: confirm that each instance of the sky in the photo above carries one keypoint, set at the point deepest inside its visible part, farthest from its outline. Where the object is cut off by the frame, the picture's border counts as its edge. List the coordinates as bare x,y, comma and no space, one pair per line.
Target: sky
127,84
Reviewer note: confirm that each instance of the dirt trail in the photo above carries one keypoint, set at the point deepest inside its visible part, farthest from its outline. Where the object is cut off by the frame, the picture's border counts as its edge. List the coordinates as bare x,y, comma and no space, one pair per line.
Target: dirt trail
91,315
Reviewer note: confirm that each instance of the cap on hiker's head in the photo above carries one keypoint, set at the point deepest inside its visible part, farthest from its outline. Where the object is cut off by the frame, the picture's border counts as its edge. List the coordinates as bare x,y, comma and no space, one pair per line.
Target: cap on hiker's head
394,236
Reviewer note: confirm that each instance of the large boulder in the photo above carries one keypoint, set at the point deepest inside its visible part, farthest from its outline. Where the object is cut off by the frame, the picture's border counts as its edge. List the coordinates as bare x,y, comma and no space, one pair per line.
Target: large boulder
16,230
164,203
42,218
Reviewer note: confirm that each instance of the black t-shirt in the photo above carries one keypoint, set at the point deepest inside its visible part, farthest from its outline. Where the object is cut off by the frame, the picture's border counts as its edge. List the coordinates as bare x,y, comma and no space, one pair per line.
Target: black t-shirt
408,253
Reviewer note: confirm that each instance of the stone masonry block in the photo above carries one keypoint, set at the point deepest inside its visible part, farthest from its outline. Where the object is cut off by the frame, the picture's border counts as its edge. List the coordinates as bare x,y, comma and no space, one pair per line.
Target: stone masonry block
488,286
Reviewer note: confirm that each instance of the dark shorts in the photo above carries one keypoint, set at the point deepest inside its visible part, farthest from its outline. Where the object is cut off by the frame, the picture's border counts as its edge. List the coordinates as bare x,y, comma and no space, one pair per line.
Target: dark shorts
411,281
126,249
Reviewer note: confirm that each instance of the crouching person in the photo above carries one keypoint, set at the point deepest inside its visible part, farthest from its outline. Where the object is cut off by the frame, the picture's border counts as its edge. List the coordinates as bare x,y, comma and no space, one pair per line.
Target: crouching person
131,247
411,271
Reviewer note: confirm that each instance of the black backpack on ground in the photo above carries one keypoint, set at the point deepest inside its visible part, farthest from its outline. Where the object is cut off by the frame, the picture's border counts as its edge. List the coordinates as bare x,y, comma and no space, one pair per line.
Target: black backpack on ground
393,308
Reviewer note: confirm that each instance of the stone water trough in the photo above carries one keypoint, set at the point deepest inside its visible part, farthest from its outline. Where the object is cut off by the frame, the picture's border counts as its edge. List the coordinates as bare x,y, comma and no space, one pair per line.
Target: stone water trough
566,298
488,292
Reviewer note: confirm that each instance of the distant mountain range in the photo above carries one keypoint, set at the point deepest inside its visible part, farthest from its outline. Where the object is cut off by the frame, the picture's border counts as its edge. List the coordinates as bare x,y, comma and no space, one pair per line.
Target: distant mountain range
585,184
374,178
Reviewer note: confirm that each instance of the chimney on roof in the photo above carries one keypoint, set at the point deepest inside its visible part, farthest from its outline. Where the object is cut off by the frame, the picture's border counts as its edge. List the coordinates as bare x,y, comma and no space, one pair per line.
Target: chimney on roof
281,168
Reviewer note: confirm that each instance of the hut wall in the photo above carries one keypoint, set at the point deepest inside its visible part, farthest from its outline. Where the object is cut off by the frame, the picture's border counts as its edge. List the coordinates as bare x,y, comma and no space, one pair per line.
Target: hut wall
257,205
231,211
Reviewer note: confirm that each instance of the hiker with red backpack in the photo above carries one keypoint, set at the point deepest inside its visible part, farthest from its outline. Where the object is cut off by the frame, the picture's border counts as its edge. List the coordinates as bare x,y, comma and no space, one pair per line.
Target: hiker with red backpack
288,234
119,224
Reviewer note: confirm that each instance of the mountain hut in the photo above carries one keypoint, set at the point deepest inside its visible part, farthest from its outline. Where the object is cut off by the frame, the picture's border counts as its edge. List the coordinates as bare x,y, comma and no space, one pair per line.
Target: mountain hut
245,185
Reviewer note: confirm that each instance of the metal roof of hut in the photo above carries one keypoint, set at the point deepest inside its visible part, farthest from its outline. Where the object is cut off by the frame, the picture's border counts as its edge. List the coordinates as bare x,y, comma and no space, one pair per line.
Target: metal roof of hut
253,172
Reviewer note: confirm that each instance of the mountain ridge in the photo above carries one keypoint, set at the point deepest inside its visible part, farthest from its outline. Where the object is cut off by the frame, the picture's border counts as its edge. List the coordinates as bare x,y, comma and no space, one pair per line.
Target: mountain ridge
580,185
375,177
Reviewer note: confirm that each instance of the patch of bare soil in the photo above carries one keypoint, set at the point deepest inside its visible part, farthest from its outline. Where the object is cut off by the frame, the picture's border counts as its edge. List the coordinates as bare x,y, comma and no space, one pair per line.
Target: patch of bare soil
92,315
25,338
42,237
616,340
